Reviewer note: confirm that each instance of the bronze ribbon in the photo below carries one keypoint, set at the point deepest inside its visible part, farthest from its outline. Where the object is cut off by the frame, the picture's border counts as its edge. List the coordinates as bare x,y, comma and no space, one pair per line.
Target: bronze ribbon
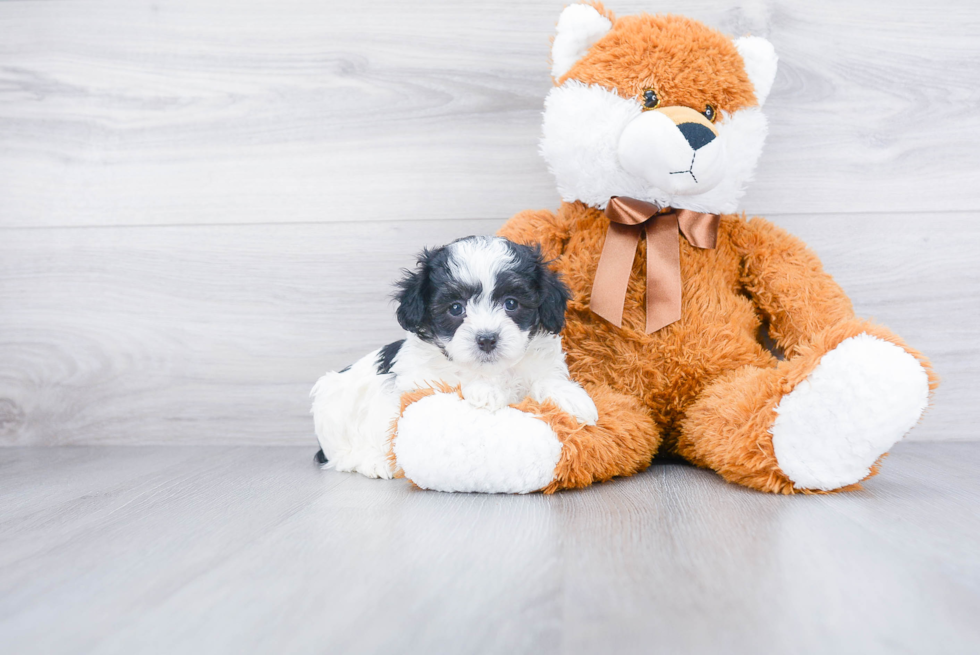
627,217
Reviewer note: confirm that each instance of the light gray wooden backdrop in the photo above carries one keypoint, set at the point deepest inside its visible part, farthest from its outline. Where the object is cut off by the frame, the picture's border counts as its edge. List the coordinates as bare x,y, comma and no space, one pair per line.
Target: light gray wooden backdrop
202,205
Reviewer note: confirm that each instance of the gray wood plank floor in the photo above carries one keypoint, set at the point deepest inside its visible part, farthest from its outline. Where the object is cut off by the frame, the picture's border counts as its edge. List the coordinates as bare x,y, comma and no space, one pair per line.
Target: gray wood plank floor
253,549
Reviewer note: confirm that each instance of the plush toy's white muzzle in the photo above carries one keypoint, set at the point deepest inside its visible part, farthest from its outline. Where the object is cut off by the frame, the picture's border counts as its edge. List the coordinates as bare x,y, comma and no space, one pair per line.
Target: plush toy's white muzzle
599,144
679,155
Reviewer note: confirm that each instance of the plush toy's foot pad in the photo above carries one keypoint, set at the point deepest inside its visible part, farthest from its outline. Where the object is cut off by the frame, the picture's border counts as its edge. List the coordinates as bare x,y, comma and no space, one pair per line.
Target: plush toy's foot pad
446,444
862,397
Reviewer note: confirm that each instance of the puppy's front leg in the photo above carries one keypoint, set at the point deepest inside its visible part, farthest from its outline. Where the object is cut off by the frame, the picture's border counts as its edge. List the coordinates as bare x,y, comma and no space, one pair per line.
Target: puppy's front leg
485,394
569,396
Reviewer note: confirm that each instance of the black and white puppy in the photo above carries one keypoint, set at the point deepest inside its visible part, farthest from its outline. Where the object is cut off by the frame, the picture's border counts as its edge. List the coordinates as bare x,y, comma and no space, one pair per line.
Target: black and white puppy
483,313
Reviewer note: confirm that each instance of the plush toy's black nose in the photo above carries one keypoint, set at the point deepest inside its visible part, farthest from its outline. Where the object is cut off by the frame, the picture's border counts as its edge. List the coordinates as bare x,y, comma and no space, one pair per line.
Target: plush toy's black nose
697,135
487,341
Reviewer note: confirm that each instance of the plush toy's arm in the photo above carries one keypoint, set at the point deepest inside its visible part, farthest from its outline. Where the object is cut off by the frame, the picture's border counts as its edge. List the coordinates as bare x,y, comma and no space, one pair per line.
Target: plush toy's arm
539,226
788,284
443,442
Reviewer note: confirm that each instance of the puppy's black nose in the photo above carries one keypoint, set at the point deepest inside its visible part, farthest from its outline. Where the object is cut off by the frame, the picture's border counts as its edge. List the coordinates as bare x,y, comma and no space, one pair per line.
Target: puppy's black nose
487,341
696,134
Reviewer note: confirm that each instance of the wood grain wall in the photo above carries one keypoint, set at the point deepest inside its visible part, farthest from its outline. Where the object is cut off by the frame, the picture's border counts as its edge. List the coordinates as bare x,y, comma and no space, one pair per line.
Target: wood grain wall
202,205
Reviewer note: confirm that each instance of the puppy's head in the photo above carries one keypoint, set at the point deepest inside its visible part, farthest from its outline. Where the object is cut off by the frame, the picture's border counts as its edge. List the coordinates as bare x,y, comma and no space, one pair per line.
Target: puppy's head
481,300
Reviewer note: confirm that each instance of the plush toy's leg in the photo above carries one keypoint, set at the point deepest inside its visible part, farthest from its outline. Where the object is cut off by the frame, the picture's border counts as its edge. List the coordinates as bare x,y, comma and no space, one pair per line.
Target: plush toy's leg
818,422
441,442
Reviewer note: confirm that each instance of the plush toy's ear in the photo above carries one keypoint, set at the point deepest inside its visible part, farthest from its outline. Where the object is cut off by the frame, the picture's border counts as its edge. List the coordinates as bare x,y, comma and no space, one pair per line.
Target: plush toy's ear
579,26
554,298
411,293
760,64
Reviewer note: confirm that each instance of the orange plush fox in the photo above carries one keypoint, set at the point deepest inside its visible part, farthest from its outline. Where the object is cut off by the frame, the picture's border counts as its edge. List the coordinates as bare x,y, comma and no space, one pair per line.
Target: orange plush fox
653,128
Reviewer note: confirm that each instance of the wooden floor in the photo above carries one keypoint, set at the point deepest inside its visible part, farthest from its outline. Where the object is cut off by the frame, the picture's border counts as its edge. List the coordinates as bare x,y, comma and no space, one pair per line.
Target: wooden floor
253,549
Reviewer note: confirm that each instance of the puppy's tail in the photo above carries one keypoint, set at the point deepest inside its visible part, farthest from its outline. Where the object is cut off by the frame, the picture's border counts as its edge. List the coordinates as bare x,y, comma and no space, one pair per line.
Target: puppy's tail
321,460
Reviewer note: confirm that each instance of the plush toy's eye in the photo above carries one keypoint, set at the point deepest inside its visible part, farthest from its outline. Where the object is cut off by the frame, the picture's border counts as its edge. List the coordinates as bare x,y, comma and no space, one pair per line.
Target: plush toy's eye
650,99
709,113
510,304
456,309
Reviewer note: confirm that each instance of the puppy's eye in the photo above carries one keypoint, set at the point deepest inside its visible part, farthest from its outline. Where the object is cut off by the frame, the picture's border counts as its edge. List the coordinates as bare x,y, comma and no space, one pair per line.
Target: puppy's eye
510,304
709,113
650,99
456,309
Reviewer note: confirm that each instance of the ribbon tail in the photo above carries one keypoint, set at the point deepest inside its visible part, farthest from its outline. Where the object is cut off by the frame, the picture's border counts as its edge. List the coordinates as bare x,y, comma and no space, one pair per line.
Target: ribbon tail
701,230
663,272
612,275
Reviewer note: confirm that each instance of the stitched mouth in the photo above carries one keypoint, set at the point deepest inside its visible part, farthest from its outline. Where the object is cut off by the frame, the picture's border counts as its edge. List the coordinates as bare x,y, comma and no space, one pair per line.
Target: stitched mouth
690,169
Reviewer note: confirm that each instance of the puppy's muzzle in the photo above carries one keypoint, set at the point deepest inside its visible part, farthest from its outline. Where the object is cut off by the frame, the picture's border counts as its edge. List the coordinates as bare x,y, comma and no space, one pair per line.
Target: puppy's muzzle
487,341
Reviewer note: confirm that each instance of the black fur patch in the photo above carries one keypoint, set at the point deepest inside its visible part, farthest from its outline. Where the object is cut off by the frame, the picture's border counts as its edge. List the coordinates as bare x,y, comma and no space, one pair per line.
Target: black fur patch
413,292
425,294
345,369
543,297
387,357
446,291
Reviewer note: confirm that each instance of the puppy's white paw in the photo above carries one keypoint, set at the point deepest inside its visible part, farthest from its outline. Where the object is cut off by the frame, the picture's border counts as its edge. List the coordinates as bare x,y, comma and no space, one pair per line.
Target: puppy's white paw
483,395
569,396
368,462
376,466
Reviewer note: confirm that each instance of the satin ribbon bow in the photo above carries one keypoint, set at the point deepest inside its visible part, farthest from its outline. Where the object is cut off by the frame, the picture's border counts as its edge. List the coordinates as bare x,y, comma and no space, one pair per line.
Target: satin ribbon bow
627,218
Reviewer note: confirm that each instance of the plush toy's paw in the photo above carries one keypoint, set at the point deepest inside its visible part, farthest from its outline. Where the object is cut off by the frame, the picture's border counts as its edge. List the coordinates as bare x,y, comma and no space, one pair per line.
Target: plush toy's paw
444,443
569,396
862,397
484,395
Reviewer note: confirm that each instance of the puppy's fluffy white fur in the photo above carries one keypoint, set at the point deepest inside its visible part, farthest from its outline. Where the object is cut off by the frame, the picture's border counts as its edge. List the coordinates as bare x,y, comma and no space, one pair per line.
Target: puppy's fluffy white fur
500,289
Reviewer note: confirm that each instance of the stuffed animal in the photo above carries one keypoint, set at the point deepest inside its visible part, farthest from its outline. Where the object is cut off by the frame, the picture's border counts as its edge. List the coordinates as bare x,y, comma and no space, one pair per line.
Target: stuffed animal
652,129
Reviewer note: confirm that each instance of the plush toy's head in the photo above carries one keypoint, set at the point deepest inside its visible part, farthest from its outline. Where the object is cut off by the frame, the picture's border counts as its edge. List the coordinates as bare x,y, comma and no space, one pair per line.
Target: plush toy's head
659,108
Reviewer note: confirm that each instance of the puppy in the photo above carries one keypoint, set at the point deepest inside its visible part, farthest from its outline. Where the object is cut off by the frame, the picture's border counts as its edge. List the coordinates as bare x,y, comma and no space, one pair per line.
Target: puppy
482,313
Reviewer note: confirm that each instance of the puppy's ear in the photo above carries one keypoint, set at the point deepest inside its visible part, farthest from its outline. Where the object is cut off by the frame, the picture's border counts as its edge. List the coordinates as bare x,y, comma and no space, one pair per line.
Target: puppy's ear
554,297
412,291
